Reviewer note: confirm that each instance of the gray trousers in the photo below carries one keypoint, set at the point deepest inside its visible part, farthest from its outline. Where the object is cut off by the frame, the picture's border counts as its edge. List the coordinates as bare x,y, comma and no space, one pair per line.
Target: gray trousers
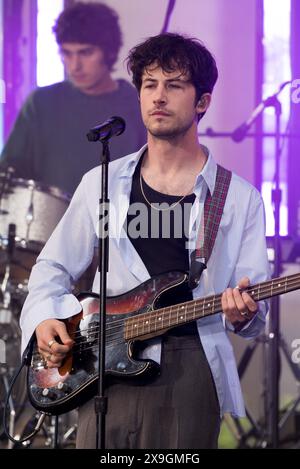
179,409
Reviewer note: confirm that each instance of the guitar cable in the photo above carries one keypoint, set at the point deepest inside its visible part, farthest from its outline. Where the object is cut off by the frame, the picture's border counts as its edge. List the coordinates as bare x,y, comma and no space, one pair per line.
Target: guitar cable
40,421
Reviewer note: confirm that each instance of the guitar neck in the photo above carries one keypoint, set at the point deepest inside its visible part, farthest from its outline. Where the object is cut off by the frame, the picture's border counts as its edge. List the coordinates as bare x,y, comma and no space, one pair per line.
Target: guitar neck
153,323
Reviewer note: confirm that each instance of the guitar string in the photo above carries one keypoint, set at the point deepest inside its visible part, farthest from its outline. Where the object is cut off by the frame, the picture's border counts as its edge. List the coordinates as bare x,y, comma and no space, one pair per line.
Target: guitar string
113,336
140,319
193,304
203,303
36,356
77,350
114,340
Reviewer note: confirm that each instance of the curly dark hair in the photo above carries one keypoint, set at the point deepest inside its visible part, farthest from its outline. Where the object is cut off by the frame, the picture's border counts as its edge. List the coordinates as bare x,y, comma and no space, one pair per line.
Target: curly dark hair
91,23
171,52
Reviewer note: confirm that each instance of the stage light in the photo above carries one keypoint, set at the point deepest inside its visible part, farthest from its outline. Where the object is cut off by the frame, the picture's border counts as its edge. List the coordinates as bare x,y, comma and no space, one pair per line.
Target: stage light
49,67
277,70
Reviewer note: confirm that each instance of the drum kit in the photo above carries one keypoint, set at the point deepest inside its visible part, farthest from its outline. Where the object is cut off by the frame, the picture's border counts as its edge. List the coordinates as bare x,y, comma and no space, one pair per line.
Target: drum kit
29,212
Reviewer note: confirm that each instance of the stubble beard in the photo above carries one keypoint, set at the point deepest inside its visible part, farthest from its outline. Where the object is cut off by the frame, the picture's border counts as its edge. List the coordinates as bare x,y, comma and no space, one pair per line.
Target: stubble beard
171,132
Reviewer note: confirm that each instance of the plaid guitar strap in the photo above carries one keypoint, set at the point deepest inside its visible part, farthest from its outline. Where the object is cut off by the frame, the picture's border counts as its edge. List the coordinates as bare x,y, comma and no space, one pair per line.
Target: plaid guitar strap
209,225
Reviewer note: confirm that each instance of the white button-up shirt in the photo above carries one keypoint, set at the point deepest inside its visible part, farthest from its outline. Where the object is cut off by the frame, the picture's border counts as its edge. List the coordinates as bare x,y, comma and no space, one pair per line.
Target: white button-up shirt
239,250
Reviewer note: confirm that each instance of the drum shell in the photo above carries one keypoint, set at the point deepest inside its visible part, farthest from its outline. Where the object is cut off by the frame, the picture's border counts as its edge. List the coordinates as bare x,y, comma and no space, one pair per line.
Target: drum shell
34,208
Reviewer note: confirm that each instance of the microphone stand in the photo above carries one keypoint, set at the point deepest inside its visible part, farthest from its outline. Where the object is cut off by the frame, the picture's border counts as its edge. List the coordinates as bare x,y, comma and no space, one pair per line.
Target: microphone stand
103,132
100,400
209,132
274,317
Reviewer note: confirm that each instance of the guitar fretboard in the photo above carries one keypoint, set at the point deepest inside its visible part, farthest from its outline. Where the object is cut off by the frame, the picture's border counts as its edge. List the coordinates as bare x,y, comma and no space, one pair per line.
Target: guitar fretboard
152,322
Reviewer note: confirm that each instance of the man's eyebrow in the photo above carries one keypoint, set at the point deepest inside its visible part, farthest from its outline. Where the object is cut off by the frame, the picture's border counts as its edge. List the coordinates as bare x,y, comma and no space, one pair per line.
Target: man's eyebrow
179,79
85,49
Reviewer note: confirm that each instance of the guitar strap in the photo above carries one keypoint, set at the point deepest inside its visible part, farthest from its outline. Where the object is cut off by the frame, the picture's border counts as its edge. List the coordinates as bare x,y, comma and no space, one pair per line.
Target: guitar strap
209,225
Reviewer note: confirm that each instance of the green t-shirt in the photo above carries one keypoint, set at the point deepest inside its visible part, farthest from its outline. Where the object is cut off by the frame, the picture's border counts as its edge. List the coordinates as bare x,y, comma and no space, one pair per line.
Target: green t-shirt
48,142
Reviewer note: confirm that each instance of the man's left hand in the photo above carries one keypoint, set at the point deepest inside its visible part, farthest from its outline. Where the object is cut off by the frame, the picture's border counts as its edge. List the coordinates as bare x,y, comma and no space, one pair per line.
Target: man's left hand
237,305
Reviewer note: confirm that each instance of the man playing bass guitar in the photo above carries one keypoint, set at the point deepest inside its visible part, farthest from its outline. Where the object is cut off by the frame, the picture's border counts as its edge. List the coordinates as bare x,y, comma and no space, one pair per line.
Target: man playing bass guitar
157,197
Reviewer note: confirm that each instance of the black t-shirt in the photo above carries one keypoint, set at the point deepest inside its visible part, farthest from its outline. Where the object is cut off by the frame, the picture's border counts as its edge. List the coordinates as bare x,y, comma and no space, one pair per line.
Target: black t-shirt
160,236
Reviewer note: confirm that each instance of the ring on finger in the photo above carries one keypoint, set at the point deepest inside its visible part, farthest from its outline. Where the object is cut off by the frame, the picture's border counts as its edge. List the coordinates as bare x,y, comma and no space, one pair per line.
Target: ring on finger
245,314
48,357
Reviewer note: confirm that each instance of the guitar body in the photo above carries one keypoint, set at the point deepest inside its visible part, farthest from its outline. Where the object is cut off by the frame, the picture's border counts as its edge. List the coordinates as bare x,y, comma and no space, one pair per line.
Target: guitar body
58,390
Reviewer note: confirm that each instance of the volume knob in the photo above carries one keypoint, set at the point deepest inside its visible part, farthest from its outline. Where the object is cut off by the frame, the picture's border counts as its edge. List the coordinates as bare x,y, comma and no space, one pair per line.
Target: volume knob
48,393
63,387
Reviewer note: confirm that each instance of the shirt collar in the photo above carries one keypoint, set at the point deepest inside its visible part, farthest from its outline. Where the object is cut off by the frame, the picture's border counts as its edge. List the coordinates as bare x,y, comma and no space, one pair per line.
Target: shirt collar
208,172
129,165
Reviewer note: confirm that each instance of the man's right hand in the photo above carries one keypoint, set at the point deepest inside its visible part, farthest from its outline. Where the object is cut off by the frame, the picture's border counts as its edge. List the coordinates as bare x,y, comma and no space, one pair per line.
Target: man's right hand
53,341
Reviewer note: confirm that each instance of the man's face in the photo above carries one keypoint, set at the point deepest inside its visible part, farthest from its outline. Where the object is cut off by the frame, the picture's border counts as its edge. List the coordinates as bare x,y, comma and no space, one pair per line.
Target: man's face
167,102
85,66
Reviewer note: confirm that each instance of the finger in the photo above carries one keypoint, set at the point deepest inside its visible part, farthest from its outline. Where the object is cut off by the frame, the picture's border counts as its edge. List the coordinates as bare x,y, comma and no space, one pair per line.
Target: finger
62,345
244,282
54,359
225,307
239,301
59,349
249,302
234,311
224,302
231,311
51,364
63,335
230,300
58,355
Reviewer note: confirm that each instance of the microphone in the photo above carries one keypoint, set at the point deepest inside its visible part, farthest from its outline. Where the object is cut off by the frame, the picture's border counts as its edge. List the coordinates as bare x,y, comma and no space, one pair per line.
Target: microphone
113,126
240,132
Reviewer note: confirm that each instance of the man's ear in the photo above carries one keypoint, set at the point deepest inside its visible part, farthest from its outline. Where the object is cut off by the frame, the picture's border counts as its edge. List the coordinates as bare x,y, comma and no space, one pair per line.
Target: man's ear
203,103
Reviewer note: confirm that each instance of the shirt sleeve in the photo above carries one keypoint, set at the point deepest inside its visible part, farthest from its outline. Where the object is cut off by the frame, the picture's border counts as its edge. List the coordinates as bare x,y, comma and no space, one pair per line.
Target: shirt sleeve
253,263
66,255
